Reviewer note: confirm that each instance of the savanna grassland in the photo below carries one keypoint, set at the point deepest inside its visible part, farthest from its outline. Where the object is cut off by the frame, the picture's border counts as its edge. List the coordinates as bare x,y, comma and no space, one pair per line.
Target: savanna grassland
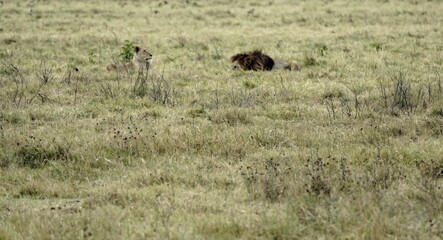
348,148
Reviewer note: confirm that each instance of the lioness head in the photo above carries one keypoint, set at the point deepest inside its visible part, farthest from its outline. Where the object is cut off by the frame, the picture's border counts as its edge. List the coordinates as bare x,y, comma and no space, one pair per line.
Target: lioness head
142,55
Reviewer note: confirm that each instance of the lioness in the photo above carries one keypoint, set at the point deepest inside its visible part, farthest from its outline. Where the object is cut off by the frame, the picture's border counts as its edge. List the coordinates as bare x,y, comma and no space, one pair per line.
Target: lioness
256,60
141,61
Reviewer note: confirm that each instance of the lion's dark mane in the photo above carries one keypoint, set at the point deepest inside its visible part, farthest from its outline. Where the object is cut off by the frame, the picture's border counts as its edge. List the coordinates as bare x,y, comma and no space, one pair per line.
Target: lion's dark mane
255,60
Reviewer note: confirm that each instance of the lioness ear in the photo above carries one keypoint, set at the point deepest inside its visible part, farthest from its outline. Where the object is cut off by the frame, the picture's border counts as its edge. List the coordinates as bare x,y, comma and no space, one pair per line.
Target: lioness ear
136,49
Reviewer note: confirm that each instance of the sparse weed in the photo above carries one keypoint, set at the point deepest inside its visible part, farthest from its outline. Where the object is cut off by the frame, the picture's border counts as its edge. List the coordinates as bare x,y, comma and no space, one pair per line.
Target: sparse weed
44,72
396,96
403,96
140,88
27,91
156,87
162,91
107,90
241,98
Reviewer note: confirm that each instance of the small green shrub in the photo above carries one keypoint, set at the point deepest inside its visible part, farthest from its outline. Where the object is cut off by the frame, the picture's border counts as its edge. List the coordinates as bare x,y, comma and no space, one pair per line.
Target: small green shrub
127,51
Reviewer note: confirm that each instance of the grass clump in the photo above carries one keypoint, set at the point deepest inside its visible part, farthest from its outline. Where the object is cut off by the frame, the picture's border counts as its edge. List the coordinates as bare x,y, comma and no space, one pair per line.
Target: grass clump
310,61
38,153
231,116
249,84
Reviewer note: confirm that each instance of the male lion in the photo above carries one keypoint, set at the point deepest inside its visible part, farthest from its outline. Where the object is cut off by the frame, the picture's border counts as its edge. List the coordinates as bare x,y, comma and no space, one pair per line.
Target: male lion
256,61
141,61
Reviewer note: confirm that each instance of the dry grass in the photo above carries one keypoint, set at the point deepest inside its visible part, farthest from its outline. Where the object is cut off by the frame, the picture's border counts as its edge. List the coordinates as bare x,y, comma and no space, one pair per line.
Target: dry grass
348,148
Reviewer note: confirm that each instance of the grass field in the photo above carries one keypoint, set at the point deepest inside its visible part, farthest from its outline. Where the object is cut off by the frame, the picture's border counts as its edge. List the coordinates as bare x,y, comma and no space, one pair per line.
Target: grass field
348,148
